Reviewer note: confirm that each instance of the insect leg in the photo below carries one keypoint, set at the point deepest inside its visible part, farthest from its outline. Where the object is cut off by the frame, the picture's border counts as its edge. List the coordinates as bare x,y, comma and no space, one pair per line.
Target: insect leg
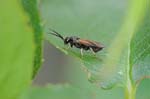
71,44
92,51
81,52
68,46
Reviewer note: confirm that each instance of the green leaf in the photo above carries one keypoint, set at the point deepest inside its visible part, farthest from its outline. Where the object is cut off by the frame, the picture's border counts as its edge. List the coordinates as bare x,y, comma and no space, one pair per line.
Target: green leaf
113,24
30,6
143,90
140,51
16,49
70,92
56,92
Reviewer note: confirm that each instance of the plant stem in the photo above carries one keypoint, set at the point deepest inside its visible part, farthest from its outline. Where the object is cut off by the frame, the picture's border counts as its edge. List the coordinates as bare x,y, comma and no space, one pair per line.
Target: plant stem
130,92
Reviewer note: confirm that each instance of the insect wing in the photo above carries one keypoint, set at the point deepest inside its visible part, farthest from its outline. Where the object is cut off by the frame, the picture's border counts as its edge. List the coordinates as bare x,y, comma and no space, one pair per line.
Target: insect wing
96,46
89,43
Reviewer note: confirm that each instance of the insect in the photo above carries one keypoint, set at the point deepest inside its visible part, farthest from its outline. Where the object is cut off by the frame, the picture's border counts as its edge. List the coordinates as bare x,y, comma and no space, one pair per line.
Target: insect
77,42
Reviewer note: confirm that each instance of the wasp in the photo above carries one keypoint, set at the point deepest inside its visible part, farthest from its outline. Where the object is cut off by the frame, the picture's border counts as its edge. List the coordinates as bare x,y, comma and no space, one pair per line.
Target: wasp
77,42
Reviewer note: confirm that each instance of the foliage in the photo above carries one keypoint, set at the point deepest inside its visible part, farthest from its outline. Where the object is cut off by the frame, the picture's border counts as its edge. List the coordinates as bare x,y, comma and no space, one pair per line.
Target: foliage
123,28
30,6
16,50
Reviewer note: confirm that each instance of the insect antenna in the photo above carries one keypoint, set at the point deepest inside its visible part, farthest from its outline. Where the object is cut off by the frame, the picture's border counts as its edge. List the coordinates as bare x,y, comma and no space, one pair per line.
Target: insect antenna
53,32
